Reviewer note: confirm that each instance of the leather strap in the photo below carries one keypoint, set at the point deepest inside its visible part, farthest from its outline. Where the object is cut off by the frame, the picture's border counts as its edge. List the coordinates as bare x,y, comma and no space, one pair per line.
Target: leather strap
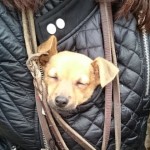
62,145
31,46
72,133
110,54
116,93
108,89
48,137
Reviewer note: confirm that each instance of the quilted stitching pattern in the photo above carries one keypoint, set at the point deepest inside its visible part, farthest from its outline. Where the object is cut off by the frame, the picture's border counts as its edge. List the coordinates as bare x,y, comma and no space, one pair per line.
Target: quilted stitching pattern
88,40
17,95
48,6
16,90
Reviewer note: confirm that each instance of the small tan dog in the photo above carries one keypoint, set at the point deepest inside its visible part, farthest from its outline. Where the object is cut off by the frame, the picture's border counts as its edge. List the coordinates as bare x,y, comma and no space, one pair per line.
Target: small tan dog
70,77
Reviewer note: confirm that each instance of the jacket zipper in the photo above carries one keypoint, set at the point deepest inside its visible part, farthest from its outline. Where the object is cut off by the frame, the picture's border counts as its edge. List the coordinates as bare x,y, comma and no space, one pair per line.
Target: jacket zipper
46,147
147,60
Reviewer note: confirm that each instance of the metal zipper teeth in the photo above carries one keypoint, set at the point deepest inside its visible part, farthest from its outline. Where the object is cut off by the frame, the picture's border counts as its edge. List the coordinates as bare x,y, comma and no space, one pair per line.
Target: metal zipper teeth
44,139
45,143
147,58
41,70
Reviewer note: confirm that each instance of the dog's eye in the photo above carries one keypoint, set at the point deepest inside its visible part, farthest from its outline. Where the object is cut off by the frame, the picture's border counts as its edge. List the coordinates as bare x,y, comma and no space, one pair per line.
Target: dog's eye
83,81
54,77
53,74
79,83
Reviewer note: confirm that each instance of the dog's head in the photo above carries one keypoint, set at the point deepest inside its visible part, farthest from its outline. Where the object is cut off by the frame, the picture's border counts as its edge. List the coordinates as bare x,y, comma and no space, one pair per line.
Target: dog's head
72,77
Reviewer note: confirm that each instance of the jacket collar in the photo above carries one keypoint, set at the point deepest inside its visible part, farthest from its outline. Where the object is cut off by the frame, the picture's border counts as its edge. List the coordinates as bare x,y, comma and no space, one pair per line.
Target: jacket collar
73,12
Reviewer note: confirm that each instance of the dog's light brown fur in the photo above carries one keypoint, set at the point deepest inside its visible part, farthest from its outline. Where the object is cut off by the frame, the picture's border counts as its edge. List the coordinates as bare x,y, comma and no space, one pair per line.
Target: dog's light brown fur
73,75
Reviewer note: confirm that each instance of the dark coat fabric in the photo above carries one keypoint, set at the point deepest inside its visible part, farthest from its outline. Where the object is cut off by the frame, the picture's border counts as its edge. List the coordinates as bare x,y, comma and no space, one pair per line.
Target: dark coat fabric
18,117
83,34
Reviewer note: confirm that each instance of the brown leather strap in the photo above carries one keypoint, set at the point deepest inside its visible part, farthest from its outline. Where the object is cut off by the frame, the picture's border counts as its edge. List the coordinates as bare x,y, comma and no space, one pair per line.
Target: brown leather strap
107,28
108,89
45,129
62,145
72,133
31,46
116,92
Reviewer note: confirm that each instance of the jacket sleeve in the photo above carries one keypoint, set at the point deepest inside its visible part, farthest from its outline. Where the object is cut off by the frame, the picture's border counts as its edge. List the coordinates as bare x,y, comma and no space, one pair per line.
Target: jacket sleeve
18,117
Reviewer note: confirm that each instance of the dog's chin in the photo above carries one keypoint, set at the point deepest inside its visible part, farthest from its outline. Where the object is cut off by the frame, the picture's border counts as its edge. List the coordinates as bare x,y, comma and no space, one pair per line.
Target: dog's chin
67,109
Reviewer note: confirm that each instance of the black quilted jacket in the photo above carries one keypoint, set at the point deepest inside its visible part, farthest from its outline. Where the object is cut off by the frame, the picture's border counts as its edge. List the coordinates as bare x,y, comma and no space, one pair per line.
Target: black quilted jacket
82,33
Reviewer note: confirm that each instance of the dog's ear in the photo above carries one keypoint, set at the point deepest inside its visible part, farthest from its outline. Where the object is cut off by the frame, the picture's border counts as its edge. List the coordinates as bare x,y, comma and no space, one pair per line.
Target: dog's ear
47,49
105,70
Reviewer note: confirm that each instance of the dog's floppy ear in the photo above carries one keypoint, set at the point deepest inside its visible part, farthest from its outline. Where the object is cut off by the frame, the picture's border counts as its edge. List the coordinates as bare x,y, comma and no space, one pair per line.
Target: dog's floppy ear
47,49
105,70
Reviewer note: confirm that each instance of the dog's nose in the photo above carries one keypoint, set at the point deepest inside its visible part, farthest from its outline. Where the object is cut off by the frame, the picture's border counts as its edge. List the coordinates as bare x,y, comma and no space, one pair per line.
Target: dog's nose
61,101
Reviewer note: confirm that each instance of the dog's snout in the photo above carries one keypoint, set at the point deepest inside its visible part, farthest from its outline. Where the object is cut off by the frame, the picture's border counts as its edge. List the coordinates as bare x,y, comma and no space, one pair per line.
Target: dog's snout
61,101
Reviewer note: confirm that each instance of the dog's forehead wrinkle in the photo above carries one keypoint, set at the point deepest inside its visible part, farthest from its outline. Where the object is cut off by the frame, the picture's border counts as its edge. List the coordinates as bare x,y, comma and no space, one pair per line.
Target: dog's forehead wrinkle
70,67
